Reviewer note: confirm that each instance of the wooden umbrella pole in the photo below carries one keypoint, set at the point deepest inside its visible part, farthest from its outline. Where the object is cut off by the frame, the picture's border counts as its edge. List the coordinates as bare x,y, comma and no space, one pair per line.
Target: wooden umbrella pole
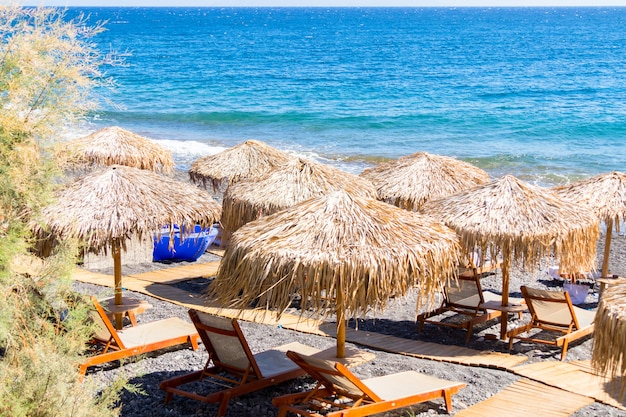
341,323
117,274
506,266
607,248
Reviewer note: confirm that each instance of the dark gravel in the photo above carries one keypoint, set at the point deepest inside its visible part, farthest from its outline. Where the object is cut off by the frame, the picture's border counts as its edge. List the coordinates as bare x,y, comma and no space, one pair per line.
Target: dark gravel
398,320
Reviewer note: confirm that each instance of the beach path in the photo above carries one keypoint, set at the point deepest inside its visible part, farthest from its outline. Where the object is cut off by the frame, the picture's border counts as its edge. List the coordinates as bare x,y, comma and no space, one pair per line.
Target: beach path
570,385
159,284
575,376
514,400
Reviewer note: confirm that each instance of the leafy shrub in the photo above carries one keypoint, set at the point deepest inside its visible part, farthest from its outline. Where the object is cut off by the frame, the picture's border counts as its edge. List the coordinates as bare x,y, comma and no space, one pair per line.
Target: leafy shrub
48,68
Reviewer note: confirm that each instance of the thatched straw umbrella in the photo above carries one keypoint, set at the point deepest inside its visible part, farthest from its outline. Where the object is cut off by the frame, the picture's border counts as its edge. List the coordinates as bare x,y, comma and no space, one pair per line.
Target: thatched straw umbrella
251,158
609,341
410,181
284,186
105,208
523,223
359,252
605,194
116,146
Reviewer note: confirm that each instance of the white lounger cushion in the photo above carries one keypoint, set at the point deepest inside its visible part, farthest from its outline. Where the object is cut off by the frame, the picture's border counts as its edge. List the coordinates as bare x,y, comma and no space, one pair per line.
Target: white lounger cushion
275,361
155,331
405,384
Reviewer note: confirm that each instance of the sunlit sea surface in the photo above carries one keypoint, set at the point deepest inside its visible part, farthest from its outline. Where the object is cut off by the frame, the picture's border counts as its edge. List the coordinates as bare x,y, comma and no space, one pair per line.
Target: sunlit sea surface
539,93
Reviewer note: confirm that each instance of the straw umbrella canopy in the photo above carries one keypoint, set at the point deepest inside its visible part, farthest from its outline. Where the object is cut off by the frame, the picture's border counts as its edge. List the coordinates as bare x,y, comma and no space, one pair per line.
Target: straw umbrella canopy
412,180
116,146
605,195
356,250
107,207
284,186
522,222
609,341
251,158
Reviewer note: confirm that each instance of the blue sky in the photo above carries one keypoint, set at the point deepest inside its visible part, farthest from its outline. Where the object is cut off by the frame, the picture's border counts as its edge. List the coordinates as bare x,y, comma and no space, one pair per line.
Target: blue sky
326,3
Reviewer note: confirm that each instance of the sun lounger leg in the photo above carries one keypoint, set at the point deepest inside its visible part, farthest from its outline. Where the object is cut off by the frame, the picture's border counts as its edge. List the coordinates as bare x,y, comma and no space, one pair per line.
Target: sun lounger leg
168,397
448,399
81,373
223,404
564,350
420,325
470,329
193,340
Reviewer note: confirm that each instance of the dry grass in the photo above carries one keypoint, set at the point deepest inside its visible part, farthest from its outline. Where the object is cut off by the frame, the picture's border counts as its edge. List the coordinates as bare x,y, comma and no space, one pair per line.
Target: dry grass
605,194
609,340
116,146
411,181
249,159
284,186
366,249
121,201
522,222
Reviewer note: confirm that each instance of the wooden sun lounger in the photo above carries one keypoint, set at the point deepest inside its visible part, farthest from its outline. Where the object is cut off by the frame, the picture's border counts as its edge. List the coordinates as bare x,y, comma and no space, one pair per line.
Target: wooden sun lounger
232,365
135,340
553,311
341,393
464,297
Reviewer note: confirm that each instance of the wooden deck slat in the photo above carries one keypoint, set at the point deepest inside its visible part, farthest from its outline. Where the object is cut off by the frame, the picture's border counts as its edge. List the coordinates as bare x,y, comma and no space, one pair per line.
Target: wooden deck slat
434,351
514,401
216,251
576,377
179,273
151,284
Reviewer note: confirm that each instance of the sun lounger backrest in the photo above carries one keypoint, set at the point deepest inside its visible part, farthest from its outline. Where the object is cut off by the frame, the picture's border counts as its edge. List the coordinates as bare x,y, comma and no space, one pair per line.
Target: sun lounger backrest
104,329
464,292
334,376
225,342
100,331
552,307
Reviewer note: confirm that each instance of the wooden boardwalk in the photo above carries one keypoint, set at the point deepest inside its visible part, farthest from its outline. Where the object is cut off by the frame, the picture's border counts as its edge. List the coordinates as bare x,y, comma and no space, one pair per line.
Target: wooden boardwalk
526,398
432,351
156,284
560,388
179,273
575,376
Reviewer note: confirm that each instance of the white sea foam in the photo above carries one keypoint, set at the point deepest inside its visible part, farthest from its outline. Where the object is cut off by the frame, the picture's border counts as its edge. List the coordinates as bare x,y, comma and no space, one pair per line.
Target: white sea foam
187,151
351,167
183,151
189,148
71,132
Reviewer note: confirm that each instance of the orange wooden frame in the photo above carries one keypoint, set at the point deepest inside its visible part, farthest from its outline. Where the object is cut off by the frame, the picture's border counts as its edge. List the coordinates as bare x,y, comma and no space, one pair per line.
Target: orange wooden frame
475,314
237,379
571,332
354,401
115,349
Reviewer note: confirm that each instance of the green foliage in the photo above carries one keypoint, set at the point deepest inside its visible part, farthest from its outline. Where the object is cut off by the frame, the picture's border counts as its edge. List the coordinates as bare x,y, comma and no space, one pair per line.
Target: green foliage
48,68
38,371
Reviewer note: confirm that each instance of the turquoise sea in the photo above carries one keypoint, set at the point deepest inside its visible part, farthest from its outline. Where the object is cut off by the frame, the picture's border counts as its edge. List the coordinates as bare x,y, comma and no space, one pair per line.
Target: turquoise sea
536,92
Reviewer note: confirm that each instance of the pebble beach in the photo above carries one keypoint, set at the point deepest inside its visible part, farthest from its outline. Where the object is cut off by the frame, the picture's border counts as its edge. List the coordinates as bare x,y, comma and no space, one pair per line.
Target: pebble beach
398,320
